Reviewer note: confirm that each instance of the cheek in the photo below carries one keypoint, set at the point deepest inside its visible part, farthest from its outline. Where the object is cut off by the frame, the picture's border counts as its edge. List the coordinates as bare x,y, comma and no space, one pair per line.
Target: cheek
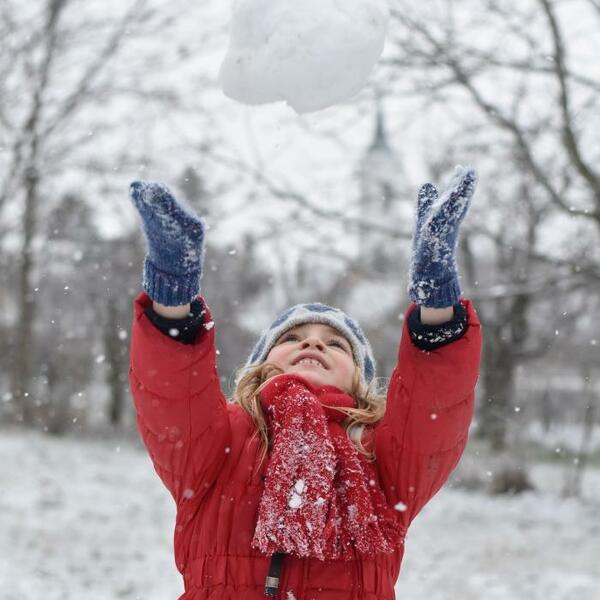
277,354
346,372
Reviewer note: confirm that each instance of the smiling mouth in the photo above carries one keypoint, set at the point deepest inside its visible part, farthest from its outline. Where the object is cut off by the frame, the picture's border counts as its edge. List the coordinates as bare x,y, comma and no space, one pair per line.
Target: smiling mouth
311,362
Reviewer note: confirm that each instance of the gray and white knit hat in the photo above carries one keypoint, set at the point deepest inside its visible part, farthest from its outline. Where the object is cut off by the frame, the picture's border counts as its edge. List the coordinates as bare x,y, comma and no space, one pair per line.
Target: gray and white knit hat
318,313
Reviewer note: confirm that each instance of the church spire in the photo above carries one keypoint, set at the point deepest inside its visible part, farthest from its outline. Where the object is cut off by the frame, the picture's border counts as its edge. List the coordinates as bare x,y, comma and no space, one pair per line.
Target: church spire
380,139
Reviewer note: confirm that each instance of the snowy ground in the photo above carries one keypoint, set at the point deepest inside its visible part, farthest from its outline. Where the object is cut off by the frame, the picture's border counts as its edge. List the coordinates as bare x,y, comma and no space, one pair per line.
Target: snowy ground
91,520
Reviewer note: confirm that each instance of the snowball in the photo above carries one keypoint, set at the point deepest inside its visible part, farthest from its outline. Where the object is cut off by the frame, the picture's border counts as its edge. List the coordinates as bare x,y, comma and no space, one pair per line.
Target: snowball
311,54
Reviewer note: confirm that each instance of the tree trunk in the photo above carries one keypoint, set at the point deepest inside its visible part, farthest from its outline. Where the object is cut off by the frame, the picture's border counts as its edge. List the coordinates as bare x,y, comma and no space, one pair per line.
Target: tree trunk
22,366
498,389
114,363
576,469
21,371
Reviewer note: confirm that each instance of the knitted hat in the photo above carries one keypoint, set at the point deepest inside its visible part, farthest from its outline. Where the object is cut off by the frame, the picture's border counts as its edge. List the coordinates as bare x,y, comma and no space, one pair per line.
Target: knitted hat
318,313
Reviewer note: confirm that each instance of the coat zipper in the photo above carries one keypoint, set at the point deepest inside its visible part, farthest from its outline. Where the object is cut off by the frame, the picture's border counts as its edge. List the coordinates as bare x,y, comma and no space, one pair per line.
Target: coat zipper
273,581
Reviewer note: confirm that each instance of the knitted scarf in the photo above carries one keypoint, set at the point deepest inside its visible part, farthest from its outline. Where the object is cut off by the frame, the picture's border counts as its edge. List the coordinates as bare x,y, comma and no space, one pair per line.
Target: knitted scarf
321,496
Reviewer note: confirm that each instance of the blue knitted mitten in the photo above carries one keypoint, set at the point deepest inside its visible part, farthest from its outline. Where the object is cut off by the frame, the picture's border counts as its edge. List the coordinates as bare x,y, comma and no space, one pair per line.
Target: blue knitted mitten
433,274
175,237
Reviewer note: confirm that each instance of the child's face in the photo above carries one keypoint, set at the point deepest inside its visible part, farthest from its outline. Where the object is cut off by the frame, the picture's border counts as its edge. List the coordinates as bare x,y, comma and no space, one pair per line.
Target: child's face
317,352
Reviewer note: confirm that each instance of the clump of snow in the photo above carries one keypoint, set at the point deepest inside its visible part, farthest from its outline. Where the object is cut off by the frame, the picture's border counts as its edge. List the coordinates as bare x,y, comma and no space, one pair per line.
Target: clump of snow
295,500
311,54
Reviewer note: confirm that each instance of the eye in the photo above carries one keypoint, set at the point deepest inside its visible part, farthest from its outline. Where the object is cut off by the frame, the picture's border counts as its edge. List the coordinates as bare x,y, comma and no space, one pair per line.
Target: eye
339,344
289,337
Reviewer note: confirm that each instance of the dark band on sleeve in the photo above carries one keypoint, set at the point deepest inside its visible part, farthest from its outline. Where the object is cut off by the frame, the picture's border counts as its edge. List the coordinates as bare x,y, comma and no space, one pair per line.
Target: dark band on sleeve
431,337
184,330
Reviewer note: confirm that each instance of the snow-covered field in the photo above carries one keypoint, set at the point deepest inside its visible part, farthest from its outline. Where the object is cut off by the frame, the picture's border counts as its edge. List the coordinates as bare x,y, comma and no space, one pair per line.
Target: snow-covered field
90,520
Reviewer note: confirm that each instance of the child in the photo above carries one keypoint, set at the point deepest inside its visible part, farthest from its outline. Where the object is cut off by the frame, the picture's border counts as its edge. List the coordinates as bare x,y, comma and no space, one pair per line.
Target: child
304,485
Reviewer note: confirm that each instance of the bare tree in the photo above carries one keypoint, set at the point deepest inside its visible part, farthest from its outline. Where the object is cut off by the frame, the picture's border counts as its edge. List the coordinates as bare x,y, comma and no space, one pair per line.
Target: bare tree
27,152
512,93
61,74
526,54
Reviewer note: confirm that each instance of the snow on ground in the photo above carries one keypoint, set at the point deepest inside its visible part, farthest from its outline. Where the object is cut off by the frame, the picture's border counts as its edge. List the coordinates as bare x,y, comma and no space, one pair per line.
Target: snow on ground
92,520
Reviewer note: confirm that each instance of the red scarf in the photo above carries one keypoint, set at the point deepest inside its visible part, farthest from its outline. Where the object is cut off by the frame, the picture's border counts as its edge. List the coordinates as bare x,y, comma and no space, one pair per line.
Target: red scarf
321,496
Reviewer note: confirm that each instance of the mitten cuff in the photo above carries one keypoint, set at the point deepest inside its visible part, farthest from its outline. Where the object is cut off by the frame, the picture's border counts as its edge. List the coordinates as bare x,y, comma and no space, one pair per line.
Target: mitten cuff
428,293
184,330
431,337
169,289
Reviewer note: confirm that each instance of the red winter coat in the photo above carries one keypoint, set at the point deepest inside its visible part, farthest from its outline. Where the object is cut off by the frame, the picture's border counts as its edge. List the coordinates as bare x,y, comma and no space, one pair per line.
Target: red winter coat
202,450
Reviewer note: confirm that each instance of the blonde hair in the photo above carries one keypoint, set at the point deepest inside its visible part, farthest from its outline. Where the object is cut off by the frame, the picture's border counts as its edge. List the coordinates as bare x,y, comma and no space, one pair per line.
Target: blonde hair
370,405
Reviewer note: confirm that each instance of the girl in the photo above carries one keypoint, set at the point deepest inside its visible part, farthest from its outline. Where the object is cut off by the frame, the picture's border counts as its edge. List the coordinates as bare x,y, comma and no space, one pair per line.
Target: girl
304,484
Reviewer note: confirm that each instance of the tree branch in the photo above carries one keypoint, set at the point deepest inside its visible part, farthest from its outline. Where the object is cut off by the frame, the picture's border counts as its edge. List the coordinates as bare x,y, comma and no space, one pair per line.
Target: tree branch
85,83
589,270
440,55
568,133
29,133
287,193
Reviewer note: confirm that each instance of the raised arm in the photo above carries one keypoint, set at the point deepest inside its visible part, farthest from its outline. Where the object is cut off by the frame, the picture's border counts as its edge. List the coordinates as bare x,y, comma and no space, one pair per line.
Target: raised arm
429,409
181,411
431,394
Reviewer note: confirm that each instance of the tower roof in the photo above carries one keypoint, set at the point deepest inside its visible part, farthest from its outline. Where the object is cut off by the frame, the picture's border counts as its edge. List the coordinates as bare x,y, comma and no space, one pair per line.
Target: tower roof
380,139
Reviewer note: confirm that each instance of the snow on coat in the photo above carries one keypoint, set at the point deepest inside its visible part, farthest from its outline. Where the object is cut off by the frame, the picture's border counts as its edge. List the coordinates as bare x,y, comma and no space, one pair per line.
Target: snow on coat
203,449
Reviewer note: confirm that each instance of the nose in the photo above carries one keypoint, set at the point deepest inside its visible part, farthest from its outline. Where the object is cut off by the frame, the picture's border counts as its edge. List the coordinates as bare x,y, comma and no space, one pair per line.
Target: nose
313,341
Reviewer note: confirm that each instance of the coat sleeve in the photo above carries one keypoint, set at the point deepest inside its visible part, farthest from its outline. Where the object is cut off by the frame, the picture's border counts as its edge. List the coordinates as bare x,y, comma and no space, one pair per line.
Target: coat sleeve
429,409
182,414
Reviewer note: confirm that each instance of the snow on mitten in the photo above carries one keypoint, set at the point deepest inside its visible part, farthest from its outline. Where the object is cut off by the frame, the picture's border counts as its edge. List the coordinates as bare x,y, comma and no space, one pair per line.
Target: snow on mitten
175,237
433,274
